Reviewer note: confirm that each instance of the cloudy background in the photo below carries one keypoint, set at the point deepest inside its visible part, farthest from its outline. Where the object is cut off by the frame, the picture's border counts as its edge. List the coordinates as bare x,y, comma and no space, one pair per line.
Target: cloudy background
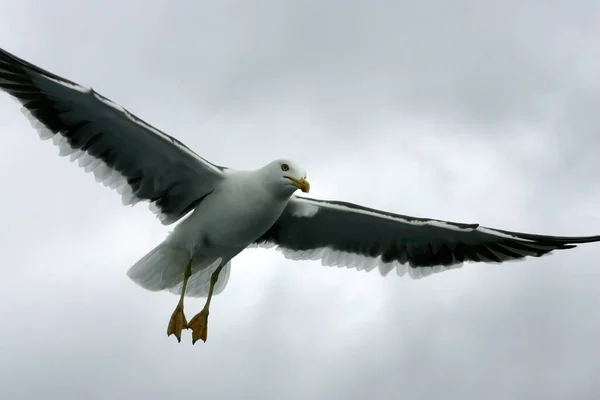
473,111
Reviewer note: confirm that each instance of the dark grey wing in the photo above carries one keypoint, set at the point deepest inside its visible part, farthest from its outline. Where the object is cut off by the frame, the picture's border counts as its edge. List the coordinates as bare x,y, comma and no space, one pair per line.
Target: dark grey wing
124,152
346,234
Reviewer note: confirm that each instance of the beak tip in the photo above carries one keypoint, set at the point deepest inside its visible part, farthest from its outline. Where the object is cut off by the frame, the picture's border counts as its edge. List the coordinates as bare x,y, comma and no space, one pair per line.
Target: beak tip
305,186
301,184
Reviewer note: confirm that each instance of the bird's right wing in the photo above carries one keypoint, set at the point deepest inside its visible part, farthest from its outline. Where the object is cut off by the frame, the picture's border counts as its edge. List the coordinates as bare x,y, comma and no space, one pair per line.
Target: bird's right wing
124,152
348,235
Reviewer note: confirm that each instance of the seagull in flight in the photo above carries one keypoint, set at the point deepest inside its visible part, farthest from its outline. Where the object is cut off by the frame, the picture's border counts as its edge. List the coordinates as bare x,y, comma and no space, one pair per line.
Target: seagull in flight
227,210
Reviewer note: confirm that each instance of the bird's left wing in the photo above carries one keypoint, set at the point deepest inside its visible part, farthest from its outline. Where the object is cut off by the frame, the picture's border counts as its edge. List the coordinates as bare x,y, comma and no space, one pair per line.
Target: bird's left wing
124,152
345,234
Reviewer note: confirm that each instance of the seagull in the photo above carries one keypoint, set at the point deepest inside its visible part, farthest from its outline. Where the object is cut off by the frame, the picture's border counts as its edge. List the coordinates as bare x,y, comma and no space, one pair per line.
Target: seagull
228,210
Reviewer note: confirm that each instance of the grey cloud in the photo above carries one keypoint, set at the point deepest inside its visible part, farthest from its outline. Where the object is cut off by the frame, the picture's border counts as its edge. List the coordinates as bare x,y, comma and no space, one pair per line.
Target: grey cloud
468,111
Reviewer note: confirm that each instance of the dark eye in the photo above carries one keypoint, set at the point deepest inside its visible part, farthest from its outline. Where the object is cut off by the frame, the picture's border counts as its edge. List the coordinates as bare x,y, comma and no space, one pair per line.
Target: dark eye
285,167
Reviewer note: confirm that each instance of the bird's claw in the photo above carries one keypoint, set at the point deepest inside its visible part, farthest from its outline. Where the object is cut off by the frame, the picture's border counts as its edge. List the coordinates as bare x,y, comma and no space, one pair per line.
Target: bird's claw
177,323
199,326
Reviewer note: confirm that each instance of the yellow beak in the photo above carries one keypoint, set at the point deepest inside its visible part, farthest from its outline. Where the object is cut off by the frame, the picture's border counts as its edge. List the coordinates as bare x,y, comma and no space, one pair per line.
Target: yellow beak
301,183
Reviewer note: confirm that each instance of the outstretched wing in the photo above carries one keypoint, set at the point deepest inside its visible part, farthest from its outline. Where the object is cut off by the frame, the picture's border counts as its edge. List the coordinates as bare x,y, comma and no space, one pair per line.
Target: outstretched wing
124,152
345,234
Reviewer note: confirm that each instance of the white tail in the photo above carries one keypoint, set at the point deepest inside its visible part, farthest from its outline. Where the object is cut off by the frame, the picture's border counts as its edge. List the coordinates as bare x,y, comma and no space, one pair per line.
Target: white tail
199,282
163,267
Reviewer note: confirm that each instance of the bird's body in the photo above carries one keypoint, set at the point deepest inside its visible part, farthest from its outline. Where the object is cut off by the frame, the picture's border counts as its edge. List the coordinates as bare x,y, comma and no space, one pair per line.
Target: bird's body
223,211
217,229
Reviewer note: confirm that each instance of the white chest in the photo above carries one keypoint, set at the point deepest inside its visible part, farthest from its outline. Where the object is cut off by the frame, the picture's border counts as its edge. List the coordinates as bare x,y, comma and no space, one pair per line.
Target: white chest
231,217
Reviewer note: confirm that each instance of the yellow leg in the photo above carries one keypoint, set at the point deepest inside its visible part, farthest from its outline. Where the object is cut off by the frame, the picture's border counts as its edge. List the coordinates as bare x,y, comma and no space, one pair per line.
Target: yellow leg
177,323
199,324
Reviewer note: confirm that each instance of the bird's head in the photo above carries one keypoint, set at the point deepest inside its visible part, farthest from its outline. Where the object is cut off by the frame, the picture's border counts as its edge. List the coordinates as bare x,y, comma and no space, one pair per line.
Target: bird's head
286,176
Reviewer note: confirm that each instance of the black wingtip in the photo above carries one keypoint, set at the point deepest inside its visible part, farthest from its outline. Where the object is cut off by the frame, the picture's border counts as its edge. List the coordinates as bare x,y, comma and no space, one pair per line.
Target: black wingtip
11,59
578,239
558,241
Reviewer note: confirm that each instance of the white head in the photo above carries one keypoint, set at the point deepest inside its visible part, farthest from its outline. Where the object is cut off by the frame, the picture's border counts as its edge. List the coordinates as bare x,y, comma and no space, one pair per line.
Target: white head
285,177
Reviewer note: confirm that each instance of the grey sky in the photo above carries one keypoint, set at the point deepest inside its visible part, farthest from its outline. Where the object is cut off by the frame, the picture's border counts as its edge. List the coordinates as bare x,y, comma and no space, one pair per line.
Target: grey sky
472,111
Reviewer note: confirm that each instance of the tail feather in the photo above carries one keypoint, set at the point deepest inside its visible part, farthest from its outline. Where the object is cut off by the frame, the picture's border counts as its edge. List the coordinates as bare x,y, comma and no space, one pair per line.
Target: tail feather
163,267
199,282
160,269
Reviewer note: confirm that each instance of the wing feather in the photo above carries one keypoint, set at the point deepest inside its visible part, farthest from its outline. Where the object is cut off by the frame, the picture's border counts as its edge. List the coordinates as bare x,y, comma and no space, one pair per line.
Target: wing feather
346,234
122,151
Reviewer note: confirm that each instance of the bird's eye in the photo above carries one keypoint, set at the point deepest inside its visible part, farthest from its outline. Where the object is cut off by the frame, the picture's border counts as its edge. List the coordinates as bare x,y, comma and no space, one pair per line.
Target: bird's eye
285,167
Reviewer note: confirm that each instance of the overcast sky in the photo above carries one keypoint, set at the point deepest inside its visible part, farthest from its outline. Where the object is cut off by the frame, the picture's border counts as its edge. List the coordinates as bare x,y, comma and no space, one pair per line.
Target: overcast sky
472,111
